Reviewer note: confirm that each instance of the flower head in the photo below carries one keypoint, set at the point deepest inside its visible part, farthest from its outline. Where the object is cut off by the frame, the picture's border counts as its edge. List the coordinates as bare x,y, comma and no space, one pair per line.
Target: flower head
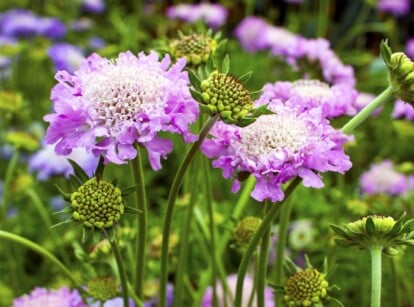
62,297
403,110
245,230
383,177
108,106
334,100
102,288
66,56
231,280
251,33
278,147
301,234
395,7
93,6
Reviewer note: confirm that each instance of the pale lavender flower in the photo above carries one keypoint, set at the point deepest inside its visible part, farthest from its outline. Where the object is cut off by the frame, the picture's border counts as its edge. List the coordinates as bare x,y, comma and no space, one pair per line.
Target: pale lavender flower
363,99
62,297
47,163
382,177
395,7
409,48
336,100
277,148
251,34
108,106
114,302
214,15
96,43
66,56
284,43
153,301
18,23
94,6
207,300
82,24
403,110
301,234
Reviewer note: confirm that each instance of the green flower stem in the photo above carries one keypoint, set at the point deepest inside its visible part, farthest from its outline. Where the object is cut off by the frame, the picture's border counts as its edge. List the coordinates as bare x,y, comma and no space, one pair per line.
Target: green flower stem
39,249
132,294
141,200
281,245
178,180
395,282
243,200
323,16
121,269
368,110
7,179
263,259
267,222
376,257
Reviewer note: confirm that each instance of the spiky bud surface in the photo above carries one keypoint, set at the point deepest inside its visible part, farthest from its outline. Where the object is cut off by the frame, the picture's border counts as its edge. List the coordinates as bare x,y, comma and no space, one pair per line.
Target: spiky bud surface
102,288
196,48
245,230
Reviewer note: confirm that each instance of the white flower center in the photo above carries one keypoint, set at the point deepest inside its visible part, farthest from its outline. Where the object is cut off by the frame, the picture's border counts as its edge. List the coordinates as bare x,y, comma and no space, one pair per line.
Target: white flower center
274,133
311,89
117,93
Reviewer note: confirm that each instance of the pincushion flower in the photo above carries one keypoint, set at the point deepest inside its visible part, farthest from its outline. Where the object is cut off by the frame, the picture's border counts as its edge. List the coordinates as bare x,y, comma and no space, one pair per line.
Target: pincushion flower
107,106
395,7
382,177
403,110
62,297
277,148
335,100
65,56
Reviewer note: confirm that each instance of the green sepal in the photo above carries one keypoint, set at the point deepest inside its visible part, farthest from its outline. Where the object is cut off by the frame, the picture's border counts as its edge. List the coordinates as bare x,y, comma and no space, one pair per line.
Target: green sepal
66,210
62,223
128,190
339,231
385,52
66,196
225,66
290,267
100,168
216,36
370,227
204,109
78,170
262,110
75,181
194,79
132,210
245,121
196,95
219,53
96,236
277,289
201,72
307,262
390,251
110,233
246,77
86,233
209,67
345,243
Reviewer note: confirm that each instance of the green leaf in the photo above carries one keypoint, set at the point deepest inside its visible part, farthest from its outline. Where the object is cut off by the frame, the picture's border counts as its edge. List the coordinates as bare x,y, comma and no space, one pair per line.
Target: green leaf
86,233
204,109
196,95
370,227
131,210
220,50
66,196
209,67
216,36
225,66
385,52
74,181
201,72
339,231
244,122
194,79
128,190
307,261
100,168
262,110
246,77
290,267
66,210
78,170
62,223
389,251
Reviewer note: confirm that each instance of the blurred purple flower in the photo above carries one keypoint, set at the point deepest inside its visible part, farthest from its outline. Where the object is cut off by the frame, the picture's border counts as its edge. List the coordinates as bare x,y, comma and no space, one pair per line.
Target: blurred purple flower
251,34
278,147
24,23
114,302
403,110
47,163
409,48
169,298
93,6
207,300
363,99
334,100
82,24
66,56
108,106
382,177
395,7
96,43
214,15
62,297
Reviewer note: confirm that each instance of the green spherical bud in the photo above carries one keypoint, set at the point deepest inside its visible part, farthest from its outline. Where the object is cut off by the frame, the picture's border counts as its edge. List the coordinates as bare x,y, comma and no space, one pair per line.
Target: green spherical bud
245,230
227,94
196,48
97,204
305,288
401,76
102,288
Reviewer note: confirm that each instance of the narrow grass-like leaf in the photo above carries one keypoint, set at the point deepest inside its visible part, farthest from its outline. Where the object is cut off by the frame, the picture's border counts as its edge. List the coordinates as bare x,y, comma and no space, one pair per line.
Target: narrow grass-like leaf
131,210
225,66
246,77
75,181
78,170
128,190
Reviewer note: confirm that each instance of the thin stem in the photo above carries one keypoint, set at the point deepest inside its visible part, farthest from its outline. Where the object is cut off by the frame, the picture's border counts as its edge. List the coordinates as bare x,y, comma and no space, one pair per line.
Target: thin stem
39,249
395,283
281,245
134,297
376,257
8,176
267,222
262,265
121,269
323,16
178,180
368,110
141,204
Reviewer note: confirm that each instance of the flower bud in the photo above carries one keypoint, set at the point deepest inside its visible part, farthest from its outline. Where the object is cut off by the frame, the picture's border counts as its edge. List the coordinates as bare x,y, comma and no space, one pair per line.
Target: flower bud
245,230
102,288
196,48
